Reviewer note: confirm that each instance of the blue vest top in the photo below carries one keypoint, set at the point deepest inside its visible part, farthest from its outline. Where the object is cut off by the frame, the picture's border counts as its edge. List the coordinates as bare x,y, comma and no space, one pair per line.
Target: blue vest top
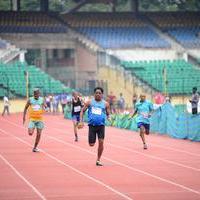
143,108
97,113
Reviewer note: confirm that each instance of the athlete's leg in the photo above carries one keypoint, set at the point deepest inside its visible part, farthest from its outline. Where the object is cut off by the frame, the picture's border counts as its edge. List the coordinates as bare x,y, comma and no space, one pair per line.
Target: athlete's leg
100,149
75,130
101,134
37,139
92,135
39,125
31,127
142,132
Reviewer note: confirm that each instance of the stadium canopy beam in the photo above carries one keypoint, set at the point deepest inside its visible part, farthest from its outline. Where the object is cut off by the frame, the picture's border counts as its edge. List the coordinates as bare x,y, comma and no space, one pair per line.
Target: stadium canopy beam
113,5
44,5
135,6
79,5
15,5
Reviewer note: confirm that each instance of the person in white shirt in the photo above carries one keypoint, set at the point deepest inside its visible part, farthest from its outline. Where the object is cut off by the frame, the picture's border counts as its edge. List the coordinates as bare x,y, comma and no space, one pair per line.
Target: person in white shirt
6,105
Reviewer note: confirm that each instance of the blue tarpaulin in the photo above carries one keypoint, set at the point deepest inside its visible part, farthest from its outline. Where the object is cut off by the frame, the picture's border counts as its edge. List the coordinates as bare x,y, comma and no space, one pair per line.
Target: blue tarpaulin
165,120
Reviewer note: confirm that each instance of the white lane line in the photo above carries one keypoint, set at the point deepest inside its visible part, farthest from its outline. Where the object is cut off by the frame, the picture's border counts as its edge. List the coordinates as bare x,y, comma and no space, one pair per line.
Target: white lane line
72,168
153,144
155,157
127,166
23,178
146,155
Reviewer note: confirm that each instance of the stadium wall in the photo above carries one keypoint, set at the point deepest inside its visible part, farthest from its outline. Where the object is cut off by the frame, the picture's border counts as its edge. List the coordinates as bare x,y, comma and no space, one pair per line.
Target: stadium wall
147,54
195,52
119,82
85,65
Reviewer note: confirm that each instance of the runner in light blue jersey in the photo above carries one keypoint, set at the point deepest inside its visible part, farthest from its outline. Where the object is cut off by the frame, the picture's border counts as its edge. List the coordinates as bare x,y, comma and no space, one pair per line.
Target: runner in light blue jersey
144,109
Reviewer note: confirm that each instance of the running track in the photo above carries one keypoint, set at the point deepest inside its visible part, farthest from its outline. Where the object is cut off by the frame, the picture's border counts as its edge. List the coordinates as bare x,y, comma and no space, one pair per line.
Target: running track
64,169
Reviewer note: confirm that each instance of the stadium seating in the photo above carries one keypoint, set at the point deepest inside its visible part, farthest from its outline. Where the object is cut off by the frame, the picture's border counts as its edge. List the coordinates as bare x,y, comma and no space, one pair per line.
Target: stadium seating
30,22
15,79
183,27
3,44
173,77
115,31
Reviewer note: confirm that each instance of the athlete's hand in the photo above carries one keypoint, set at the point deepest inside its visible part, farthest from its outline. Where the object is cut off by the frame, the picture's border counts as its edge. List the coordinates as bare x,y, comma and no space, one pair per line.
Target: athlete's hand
80,125
109,118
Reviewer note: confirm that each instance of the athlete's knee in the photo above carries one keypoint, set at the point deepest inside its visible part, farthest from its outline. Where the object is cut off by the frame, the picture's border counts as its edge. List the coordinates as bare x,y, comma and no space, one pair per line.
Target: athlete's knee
101,142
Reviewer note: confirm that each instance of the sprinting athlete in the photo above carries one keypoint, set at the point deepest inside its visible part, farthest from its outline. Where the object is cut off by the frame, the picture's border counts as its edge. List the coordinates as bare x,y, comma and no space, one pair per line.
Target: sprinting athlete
77,104
36,107
144,109
98,110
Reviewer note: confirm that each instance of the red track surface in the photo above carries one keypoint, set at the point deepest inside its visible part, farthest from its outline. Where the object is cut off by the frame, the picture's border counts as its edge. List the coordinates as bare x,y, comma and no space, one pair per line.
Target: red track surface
64,169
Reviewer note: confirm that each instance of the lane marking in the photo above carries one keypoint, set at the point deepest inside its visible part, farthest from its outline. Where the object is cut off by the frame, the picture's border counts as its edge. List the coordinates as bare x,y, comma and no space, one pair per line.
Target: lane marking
72,168
23,178
124,165
146,155
153,144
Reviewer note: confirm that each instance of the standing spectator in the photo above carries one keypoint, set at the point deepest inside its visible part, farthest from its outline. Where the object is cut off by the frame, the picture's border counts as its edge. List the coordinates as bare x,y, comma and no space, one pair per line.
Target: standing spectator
55,101
48,103
121,103
194,101
63,100
111,100
6,105
134,100
167,99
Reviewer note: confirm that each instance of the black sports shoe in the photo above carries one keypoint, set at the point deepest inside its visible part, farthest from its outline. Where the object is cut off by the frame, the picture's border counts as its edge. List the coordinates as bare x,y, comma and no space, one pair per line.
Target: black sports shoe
98,163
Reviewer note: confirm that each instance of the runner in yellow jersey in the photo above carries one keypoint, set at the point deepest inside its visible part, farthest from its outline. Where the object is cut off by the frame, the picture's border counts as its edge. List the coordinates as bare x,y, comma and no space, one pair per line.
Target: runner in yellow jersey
36,107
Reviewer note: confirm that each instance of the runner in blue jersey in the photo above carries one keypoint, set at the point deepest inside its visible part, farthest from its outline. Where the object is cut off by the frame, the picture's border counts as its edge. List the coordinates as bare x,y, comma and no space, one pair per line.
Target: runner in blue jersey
144,109
98,110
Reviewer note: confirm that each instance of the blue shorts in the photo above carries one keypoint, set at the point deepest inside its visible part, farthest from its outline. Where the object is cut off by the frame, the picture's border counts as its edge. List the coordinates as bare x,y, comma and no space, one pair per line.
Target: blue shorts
146,126
76,118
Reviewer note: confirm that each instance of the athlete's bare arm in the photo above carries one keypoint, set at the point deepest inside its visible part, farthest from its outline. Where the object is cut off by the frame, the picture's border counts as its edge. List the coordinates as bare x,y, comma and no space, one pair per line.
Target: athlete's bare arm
107,110
25,110
85,107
